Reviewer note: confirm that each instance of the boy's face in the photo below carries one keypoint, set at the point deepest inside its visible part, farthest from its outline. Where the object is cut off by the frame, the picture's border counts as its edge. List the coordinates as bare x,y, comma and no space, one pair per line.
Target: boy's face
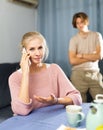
81,24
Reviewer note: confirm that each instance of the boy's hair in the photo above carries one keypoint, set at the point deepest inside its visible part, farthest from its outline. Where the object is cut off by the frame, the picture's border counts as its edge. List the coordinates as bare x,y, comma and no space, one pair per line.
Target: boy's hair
81,15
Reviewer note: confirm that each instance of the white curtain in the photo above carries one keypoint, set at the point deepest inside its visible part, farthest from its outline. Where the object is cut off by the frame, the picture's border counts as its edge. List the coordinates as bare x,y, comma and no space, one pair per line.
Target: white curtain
55,23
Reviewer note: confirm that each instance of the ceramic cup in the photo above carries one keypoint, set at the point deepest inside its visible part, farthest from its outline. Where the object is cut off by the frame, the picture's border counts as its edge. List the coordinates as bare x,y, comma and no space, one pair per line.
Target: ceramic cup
99,98
74,115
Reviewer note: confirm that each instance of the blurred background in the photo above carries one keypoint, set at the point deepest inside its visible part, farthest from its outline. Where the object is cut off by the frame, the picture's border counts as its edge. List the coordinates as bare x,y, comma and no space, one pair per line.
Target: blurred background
53,18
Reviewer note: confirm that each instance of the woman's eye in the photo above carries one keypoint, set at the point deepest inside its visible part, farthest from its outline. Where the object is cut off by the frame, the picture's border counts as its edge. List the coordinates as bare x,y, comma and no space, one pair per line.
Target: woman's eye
40,47
31,49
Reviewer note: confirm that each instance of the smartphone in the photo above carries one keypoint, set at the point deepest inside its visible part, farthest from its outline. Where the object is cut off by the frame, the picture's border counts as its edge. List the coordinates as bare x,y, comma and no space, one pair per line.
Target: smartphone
23,50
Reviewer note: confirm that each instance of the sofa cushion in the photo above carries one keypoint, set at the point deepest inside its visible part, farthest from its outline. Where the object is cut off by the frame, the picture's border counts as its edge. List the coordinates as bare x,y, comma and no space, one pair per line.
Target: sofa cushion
5,113
5,70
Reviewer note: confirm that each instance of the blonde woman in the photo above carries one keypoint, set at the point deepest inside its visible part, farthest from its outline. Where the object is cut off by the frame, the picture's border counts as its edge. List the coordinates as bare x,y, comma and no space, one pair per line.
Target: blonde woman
38,84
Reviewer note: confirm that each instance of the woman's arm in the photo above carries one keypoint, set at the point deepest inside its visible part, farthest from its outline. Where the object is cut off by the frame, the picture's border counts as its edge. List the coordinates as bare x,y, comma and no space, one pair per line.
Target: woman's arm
52,99
18,106
24,87
19,89
65,101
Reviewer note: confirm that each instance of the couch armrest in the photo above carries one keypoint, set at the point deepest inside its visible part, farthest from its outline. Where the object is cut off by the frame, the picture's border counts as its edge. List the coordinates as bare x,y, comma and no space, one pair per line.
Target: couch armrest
5,70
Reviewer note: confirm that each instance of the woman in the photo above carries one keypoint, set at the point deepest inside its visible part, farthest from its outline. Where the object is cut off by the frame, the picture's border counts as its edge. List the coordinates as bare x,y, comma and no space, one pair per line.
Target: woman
37,84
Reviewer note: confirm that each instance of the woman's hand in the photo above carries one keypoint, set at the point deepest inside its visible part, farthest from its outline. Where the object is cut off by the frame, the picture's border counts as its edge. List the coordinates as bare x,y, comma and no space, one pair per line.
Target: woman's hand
25,63
49,100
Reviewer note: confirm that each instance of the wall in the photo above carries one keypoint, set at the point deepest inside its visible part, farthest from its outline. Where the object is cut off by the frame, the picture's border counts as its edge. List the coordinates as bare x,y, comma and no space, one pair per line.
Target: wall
15,20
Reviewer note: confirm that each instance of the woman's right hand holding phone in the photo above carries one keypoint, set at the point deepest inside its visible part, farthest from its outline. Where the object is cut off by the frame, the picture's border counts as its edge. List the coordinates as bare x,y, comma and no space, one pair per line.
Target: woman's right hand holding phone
25,61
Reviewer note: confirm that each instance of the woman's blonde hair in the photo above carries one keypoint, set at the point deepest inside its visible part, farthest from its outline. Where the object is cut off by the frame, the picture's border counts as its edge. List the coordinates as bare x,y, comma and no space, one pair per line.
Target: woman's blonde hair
27,37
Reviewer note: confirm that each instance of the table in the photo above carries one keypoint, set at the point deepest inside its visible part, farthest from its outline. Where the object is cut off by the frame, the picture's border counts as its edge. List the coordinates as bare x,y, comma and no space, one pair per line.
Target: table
46,118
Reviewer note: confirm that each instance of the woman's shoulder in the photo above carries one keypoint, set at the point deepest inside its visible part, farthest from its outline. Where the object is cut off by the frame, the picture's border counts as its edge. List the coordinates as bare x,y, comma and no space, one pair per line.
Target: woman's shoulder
16,73
55,67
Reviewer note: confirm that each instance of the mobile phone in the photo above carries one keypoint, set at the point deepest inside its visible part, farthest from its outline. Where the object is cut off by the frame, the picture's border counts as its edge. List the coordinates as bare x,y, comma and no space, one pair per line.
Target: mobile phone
23,50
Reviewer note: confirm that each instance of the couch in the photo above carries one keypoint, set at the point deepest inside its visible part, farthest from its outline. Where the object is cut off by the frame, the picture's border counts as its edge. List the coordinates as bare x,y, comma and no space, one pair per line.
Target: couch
5,109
